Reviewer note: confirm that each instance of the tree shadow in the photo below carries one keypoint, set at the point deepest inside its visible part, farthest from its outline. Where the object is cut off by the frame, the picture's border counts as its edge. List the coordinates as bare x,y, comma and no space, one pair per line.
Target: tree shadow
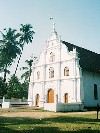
76,120
45,125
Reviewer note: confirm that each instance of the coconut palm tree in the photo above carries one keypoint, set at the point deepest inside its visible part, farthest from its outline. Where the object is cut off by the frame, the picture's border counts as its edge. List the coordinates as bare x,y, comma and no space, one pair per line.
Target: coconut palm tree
11,45
9,49
28,70
1,86
25,38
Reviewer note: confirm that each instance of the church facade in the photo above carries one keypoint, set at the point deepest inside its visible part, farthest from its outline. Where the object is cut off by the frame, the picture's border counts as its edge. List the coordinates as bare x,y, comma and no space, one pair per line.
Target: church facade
65,77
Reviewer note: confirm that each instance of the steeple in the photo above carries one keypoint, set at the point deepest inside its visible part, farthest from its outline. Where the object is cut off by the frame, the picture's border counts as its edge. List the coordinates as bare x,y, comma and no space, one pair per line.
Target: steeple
53,38
53,24
53,34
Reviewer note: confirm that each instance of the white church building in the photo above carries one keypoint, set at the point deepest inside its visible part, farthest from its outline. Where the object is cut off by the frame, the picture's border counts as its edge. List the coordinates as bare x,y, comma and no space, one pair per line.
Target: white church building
65,78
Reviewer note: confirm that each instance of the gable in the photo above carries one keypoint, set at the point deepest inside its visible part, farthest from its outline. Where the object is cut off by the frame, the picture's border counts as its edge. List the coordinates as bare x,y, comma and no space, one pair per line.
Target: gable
89,61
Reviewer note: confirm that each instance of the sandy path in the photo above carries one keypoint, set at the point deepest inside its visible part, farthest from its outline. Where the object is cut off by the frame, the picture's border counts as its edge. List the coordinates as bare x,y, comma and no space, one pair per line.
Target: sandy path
40,114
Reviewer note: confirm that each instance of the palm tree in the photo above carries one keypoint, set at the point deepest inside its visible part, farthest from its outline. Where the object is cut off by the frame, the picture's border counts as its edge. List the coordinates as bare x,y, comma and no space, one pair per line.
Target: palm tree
25,38
28,70
9,49
11,45
1,86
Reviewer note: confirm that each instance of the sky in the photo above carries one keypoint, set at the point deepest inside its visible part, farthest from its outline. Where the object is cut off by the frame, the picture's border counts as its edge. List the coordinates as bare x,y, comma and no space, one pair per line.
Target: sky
77,22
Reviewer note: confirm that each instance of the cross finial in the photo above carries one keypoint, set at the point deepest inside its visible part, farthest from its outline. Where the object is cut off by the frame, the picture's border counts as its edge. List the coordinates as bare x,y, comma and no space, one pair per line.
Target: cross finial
53,24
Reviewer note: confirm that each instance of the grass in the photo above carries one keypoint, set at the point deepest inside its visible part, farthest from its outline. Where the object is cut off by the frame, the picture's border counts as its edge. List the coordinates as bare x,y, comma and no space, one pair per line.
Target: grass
56,122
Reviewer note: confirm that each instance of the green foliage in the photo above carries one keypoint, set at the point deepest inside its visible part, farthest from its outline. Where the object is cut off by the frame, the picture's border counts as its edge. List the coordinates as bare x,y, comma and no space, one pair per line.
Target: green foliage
9,48
1,86
26,34
11,45
27,69
25,86
15,89
25,38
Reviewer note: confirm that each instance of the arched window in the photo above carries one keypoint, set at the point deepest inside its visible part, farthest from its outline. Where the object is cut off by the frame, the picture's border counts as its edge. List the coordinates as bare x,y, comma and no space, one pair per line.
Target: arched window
66,97
95,92
52,57
66,71
51,72
38,75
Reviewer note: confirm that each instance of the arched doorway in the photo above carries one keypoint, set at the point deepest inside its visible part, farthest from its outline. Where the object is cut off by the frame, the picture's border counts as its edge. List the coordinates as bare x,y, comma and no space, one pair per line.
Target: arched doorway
51,96
66,97
37,100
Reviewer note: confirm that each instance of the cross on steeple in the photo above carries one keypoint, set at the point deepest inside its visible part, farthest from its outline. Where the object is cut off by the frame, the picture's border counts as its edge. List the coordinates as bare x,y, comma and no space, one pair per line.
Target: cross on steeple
53,24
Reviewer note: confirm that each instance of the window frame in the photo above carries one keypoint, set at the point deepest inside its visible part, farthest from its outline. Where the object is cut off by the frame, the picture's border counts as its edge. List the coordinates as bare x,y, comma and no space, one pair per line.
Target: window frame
51,72
52,57
38,75
66,71
95,92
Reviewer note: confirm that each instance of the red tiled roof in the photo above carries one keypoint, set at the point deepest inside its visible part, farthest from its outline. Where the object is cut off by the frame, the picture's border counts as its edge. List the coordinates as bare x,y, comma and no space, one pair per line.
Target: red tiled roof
89,61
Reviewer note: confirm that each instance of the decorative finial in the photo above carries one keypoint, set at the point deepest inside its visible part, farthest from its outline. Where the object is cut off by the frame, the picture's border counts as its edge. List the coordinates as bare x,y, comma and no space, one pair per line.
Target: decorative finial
53,24
60,37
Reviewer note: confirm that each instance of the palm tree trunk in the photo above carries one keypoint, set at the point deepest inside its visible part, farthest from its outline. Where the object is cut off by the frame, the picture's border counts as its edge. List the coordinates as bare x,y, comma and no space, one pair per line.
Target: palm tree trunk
18,61
29,73
4,81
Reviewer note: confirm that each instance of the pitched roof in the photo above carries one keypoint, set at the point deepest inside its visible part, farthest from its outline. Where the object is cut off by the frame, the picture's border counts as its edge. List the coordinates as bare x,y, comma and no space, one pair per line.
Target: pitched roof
89,61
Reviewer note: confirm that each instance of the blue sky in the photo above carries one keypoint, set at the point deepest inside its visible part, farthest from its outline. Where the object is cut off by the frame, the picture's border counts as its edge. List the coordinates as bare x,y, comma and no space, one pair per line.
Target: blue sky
77,22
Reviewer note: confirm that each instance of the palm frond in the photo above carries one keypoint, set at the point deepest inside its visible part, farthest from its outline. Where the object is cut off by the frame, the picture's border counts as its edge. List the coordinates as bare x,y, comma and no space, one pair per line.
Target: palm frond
24,68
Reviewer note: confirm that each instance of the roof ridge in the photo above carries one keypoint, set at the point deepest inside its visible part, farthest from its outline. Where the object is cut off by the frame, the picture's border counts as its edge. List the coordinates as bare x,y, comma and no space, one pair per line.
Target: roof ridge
88,60
81,47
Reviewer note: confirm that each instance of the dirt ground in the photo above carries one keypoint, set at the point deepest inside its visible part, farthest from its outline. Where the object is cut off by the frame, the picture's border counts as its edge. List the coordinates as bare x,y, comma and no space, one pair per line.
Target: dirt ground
36,113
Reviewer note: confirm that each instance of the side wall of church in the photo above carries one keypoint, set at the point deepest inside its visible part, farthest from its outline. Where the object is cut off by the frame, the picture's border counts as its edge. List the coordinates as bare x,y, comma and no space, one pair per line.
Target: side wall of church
89,79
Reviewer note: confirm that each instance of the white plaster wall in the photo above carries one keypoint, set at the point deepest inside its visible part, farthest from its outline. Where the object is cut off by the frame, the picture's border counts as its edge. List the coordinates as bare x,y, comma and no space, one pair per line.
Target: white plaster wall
51,85
60,84
89,79
63,107
69,107
50,106
41,60
67,87
55,50
38,89
65,54
69,64
5,104
56,72
79,90
30,91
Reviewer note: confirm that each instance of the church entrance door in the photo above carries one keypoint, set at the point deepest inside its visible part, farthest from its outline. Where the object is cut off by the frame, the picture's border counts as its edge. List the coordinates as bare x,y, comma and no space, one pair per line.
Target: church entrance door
51,96
37,100
66,98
